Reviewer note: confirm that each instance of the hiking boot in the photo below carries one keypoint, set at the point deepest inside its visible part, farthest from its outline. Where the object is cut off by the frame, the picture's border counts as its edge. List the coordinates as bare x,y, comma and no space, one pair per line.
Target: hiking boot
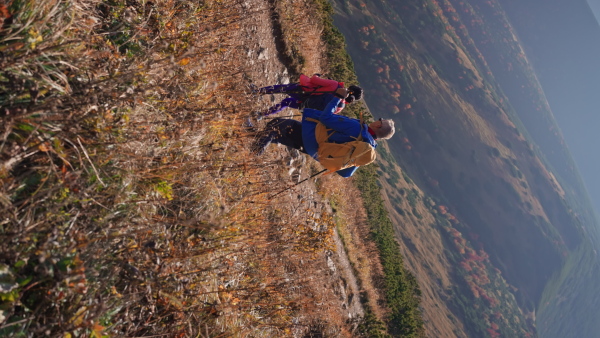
248,125
253,89
256,116
249,122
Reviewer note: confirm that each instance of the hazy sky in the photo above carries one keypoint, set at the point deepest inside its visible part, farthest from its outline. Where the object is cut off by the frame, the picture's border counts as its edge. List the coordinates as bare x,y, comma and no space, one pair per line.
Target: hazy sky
575,92
595,4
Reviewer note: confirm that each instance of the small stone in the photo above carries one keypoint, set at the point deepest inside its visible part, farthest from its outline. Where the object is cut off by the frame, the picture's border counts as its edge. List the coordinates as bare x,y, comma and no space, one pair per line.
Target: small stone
295,153
262,54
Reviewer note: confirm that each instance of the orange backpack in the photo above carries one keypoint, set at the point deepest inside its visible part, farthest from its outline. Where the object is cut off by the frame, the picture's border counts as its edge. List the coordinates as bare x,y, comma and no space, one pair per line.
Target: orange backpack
338,156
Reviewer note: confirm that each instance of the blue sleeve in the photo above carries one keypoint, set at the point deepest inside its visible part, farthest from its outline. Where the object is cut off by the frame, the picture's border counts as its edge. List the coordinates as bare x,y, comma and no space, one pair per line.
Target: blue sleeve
330,108
327,113
347,172
339,123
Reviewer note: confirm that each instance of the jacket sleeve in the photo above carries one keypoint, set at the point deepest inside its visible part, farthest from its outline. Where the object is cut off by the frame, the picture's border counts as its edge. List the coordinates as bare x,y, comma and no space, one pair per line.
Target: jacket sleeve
339,123
340,107
347,172
305,81
323,85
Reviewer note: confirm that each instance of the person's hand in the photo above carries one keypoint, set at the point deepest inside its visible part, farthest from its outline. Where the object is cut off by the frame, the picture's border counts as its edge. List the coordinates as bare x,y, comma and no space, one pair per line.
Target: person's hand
342,93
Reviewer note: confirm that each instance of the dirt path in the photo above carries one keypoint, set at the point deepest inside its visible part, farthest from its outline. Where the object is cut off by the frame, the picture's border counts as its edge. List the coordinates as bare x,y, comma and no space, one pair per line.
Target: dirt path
265,60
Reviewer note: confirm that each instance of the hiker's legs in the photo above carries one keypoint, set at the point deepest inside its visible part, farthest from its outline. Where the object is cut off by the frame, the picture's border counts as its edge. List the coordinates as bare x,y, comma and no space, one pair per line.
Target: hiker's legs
258,115
293,90
279,89
287,102
283,131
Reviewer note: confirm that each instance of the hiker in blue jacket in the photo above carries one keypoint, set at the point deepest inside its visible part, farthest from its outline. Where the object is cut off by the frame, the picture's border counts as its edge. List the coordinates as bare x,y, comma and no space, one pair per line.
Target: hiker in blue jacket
301,135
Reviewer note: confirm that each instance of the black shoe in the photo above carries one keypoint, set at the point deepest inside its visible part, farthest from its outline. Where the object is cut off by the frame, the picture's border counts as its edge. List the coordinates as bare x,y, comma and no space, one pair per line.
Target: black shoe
253,89
249,126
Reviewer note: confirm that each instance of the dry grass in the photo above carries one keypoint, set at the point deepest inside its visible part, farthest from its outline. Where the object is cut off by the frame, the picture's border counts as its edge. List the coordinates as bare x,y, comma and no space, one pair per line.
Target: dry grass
130,203
363,254
302,35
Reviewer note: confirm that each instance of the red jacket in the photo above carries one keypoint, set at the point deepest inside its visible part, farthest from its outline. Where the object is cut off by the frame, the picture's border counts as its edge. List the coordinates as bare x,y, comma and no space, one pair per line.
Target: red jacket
318,85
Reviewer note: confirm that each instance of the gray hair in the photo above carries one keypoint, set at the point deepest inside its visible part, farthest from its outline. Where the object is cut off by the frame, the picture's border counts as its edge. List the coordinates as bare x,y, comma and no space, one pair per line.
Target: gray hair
387,130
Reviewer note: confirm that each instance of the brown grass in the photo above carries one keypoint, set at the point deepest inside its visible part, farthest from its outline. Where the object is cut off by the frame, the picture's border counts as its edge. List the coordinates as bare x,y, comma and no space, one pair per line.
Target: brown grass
131,205
355,232
302,35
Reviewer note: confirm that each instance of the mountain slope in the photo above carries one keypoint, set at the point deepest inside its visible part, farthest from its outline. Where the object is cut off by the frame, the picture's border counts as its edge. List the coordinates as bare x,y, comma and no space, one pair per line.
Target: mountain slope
444,72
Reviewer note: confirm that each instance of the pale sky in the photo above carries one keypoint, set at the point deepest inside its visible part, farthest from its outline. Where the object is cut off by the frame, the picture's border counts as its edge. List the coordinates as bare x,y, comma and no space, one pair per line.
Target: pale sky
595,5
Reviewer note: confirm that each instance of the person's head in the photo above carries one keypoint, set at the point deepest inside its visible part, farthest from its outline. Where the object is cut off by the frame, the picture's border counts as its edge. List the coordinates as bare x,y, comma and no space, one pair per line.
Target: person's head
355,93
384,129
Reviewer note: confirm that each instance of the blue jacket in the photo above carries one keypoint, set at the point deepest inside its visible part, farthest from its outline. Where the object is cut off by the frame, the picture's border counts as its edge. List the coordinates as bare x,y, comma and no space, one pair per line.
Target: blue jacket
346,130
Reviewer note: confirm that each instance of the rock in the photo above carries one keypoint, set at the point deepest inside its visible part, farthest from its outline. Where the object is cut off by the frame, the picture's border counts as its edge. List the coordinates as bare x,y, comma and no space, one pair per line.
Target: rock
330,264
284,79
263,53
7,279
295,153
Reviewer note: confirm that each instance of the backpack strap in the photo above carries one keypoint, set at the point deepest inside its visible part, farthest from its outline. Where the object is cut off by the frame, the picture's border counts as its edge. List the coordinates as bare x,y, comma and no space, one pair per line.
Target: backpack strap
322,133
321,126
361,121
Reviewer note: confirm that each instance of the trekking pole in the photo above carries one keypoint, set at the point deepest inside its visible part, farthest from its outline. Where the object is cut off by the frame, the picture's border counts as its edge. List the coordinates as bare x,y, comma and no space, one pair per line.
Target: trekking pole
304,92
278,117
304,180
308,92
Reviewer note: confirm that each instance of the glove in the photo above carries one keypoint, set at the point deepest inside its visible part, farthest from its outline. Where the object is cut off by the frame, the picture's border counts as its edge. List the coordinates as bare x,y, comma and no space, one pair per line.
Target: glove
342,93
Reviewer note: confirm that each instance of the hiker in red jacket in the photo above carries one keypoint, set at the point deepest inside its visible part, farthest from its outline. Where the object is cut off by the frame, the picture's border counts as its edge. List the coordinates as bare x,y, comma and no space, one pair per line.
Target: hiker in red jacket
314,92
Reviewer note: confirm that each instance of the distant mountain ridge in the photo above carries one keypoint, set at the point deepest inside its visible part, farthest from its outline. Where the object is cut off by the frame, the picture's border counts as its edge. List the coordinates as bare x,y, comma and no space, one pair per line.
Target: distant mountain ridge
562,39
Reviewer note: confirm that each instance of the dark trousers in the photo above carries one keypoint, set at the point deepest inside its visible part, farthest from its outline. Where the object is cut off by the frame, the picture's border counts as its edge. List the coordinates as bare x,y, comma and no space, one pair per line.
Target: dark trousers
293,90
285,103
297,98
283,131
